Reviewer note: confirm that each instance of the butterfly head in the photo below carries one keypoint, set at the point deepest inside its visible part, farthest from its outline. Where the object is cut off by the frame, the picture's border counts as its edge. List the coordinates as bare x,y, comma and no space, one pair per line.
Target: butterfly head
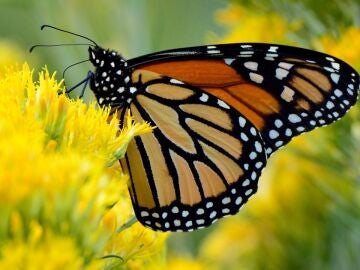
111,76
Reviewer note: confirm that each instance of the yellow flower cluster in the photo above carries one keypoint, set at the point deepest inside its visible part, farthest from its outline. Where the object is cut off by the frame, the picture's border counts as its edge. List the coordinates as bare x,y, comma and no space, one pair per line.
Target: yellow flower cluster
62,195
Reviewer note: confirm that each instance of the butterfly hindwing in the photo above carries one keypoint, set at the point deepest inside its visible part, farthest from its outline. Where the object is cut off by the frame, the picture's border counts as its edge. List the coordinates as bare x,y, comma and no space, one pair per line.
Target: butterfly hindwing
201,162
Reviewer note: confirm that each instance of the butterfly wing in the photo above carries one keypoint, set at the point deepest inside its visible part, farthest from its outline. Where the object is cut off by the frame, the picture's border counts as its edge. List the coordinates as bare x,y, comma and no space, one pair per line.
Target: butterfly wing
220,111
283,91
201,163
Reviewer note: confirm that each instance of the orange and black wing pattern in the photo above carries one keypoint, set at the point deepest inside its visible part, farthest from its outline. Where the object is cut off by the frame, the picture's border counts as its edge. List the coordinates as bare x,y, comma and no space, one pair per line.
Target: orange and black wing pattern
282,90
220,111
202,161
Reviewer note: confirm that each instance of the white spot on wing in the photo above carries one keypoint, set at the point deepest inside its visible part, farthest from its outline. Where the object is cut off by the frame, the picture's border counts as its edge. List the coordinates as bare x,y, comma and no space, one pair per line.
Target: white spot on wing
272,55
242,121
256,77
335,65
174,81
226,200
278,123
288,132
273,134
200,221
246,52
335,77
213,51
281,73
238,201
285,65
200,211
318,114
177,222
287,94
244,137
185,213
252,155
144,214
273,49
212,214
330,105
251,65
204,97
245,183
258,147
294,118
228,61
223,104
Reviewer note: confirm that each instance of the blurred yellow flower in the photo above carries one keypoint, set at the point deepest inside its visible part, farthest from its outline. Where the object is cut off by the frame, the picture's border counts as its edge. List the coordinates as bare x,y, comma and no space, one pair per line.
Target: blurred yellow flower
246,25
41,250
177,262
62,193
347,47
9,54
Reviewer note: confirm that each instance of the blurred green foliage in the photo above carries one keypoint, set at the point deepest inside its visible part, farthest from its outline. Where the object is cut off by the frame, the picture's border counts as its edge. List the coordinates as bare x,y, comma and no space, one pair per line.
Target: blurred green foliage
131,27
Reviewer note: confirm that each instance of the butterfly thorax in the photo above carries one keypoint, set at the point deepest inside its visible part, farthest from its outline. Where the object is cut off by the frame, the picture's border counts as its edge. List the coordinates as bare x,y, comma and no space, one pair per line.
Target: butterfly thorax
111,81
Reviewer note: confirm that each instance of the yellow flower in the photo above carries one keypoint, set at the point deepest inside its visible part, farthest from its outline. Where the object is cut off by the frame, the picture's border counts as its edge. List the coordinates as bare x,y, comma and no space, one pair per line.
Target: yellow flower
340,47
246,25
9,54
177,262
62,195
41,250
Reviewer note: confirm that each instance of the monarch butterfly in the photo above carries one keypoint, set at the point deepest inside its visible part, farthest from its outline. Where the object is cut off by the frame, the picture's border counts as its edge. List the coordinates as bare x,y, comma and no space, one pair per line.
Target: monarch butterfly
220,112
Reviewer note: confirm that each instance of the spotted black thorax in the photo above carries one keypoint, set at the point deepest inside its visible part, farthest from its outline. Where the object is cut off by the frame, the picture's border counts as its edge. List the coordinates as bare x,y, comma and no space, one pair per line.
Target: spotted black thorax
111,80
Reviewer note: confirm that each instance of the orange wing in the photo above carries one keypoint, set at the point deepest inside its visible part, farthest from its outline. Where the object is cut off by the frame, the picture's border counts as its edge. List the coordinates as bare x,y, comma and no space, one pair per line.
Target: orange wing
281,99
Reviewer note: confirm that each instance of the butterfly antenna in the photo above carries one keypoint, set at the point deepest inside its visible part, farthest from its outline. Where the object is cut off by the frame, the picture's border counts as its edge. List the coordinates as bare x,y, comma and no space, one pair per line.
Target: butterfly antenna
58,45
65,31
72,65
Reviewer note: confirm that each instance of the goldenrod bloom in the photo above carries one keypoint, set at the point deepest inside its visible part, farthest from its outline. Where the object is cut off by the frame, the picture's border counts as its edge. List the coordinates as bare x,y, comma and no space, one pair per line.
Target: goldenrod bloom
62,193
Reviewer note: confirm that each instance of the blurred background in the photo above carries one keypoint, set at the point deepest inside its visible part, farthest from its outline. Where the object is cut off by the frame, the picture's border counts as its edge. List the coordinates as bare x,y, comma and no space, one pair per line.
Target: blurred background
306,214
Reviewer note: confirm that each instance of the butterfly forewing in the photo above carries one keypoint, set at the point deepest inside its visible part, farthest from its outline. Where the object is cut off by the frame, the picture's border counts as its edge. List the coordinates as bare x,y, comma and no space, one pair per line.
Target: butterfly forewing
283,91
